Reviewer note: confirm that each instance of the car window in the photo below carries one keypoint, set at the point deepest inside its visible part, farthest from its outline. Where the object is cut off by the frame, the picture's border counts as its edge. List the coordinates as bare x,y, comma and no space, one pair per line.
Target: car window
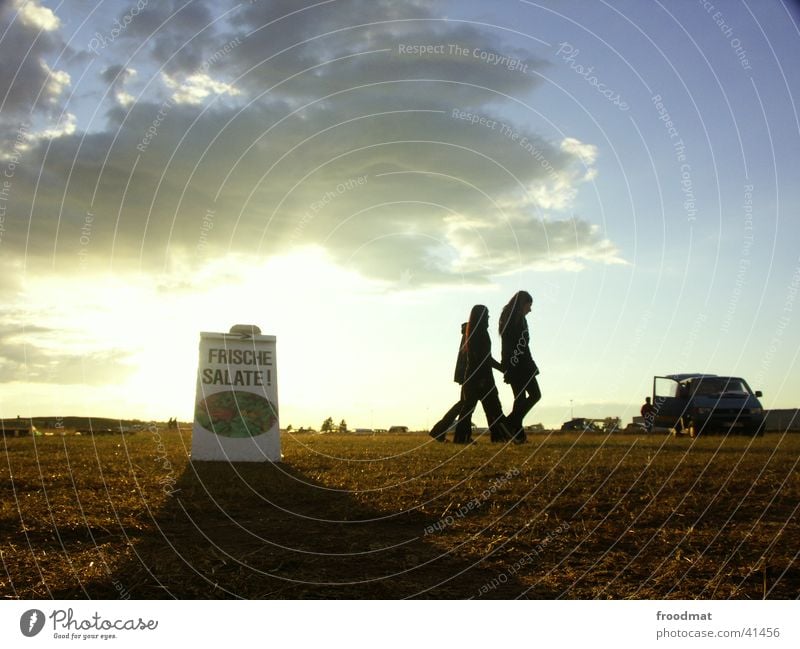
716,386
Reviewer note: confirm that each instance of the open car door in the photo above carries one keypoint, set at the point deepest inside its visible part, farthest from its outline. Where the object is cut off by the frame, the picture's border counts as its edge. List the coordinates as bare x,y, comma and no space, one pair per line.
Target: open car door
669,403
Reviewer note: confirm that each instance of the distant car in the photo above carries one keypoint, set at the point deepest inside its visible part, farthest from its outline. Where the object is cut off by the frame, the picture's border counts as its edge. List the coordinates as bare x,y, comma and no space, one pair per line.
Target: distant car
707,403
580,423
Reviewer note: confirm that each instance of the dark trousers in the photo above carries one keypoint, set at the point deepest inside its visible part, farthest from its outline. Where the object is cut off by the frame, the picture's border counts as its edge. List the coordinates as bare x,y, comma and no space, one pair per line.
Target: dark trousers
526,395
490,401
440,428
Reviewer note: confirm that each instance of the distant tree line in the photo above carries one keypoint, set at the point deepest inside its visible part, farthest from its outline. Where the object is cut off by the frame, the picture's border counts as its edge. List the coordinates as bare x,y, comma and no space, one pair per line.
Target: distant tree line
329,427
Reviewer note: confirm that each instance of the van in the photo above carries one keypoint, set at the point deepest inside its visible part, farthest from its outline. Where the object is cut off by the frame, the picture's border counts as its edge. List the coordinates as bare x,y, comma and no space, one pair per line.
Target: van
706,403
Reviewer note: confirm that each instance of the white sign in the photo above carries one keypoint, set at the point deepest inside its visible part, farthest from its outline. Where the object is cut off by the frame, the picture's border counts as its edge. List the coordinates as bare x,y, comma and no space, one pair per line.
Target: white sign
236,405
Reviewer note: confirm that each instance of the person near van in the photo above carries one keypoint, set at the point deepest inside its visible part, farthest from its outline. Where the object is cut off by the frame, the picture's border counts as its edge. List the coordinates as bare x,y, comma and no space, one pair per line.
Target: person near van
648,412
440,428
519,368
478,382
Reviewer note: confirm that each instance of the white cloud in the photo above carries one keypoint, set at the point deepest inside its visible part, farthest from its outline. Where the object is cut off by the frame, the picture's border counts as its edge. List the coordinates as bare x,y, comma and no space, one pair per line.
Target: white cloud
197,87
57,81
559,187
32,14
66,126
586,152
124,98
557,194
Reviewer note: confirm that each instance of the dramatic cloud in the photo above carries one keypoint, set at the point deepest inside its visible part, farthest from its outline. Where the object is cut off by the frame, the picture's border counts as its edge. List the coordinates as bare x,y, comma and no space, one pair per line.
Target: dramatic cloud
30,87
381,141
35,354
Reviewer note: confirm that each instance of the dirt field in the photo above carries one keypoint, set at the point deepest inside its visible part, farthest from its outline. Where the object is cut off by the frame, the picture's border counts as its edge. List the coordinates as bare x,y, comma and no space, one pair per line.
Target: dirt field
395,516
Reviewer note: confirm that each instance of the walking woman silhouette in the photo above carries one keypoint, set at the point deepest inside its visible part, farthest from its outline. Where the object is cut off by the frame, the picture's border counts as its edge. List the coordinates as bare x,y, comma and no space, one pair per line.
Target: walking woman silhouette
519,368
479,381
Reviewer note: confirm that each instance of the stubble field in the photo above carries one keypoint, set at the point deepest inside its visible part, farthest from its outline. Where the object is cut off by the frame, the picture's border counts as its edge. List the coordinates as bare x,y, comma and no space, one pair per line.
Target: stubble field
397,516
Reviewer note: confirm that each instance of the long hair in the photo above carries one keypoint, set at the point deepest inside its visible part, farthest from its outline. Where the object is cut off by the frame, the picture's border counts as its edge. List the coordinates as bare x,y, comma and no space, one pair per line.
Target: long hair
478,319
513,310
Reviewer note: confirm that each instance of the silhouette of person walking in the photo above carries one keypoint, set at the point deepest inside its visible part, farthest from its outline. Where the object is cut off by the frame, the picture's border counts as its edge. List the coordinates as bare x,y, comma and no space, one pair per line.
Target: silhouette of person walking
479,381
440,428
519,368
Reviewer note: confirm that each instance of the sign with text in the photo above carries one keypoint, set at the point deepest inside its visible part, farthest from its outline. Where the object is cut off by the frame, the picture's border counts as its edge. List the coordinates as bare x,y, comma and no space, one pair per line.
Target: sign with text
236,405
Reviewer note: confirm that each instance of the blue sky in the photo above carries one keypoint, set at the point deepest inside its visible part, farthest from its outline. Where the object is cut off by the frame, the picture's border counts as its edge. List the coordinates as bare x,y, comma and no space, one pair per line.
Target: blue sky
499,146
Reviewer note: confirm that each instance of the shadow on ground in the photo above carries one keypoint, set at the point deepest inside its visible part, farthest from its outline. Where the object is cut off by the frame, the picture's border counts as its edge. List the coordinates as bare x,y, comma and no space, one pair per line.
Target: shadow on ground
268,531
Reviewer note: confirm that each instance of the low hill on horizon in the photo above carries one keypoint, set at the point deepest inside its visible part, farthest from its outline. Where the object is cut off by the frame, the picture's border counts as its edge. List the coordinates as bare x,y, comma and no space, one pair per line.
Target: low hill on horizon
77,422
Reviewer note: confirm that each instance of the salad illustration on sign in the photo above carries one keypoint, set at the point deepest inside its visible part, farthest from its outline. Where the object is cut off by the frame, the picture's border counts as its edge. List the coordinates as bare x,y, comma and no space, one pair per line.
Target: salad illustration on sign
236,414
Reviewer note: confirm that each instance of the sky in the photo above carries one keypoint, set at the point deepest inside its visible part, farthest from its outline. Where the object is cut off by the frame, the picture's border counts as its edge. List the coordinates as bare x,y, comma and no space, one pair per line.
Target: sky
353,177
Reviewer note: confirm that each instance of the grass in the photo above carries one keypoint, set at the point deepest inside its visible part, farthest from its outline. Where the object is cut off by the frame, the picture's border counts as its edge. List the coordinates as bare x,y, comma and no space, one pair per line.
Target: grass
396,516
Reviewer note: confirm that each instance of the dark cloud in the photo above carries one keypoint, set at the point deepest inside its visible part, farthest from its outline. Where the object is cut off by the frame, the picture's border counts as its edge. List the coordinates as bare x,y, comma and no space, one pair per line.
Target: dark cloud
178,32
115,77
175,34
112,73
164,18
339,46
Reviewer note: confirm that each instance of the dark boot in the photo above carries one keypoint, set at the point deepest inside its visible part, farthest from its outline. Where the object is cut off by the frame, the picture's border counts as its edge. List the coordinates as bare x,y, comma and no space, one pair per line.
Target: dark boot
439,432
463,433
516,431
501,430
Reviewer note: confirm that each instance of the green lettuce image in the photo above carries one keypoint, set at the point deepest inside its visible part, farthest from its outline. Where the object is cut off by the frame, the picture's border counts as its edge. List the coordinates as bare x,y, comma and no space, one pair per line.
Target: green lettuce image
236,414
